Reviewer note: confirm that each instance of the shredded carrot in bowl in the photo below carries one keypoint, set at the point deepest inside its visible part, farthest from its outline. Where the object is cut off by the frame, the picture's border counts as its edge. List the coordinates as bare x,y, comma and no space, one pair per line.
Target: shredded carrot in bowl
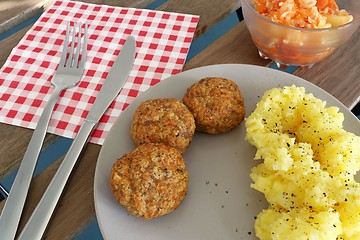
303,13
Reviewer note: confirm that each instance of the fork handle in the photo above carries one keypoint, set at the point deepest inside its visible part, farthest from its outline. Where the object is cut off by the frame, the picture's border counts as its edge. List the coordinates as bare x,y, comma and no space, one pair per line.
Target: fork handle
38,221
14,204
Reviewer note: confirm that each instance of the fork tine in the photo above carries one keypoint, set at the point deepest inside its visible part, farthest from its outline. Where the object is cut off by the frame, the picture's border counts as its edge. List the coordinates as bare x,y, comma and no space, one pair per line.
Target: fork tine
65,46
84,48
78,47
71,55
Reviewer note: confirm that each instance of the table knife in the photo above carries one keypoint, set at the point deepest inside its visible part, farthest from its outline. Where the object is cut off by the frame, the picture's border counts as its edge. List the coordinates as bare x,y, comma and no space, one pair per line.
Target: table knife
114,82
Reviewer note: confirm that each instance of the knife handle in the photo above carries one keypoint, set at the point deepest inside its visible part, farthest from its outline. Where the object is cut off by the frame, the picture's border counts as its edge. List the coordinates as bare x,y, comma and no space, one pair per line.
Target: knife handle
15,202
35,227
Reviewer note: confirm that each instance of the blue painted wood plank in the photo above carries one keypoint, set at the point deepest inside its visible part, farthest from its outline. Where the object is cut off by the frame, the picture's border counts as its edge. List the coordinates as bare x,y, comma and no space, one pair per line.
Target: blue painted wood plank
211,35
290,69
19,27
92,231
155,4
48,156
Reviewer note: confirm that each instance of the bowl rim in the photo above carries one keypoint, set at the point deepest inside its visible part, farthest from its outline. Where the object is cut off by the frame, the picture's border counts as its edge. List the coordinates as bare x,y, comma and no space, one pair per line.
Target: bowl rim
248,4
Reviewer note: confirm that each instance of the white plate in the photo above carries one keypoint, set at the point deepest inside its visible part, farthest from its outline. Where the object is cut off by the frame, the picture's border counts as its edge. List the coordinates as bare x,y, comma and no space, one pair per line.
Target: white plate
220,203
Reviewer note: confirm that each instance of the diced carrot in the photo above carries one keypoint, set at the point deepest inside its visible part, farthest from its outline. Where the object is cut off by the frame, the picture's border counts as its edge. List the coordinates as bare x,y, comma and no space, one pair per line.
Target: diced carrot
322,4
333,5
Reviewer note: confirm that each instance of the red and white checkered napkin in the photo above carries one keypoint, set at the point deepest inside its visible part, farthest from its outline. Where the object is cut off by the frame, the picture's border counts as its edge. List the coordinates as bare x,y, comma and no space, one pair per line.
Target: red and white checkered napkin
163,40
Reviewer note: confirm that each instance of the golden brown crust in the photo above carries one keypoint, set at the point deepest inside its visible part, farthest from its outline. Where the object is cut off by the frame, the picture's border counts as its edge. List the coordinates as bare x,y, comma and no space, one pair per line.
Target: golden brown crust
216,103
163,120
150,181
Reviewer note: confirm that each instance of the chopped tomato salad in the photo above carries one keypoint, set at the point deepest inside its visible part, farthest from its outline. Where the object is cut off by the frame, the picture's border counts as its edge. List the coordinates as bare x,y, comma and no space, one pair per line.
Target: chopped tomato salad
304,13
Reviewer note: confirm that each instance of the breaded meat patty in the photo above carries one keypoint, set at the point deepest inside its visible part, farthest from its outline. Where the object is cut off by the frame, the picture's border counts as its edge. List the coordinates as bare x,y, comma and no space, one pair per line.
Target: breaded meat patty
163,120
151,181
216,103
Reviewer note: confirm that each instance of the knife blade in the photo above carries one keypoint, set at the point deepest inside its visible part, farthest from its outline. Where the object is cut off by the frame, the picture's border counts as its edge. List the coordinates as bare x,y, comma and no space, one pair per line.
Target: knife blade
35,227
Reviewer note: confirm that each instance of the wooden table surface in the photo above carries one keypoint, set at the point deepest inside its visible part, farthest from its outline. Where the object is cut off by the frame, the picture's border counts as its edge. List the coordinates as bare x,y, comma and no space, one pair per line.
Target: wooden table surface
339,75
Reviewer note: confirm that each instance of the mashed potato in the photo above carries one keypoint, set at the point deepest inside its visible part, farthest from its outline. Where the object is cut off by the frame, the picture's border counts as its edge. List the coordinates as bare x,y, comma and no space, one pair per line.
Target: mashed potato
308,168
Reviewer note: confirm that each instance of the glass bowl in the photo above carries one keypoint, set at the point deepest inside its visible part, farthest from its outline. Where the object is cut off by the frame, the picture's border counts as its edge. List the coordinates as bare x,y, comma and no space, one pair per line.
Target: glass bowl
287,45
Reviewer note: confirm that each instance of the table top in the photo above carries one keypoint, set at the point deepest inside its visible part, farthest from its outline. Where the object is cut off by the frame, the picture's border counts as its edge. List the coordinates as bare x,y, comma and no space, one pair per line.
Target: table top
219,38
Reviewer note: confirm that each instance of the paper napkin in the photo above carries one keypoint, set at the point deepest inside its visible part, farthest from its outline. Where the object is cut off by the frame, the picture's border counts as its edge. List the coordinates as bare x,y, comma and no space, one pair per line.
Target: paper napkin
163,40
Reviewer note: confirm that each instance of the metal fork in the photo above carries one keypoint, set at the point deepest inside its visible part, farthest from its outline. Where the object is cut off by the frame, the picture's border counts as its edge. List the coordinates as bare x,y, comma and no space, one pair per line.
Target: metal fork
69,73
